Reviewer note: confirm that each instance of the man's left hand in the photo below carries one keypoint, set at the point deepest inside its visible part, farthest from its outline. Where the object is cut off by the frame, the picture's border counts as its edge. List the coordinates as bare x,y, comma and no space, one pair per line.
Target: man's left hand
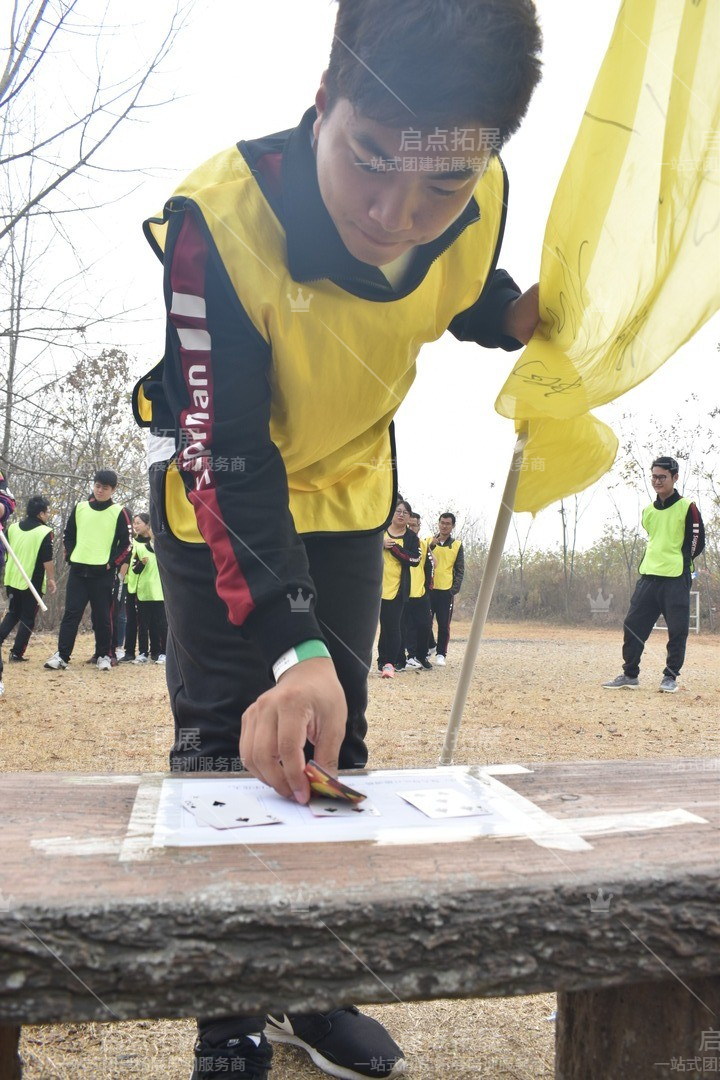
523,315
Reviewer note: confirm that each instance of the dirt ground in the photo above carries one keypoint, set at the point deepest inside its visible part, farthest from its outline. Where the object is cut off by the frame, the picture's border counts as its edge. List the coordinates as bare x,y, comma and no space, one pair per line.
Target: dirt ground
535,696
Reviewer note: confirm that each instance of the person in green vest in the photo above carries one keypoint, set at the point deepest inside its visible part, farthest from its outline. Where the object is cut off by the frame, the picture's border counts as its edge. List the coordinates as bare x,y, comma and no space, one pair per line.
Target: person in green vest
97,540
303,273
676,536
135,636
150,601
32,541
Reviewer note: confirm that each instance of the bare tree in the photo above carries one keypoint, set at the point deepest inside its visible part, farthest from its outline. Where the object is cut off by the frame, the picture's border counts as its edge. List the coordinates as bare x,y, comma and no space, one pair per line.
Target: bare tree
55,130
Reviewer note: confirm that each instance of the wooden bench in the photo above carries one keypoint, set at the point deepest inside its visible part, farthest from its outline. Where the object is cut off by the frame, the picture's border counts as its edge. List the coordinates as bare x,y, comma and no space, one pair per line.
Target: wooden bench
95,924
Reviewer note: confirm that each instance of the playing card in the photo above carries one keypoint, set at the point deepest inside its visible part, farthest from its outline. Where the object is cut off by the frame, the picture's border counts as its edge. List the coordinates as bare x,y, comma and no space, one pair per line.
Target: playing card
236,811
444,803
322,783
324,806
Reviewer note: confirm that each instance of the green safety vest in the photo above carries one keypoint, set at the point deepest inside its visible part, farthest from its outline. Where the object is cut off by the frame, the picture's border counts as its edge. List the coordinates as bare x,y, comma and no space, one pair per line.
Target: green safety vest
95,534
149,586
131,578
26,544
666,532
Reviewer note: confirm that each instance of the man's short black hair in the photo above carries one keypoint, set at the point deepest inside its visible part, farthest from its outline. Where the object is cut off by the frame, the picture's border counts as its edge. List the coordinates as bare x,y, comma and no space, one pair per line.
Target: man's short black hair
36,504
437,63
106,476
448,514
668,463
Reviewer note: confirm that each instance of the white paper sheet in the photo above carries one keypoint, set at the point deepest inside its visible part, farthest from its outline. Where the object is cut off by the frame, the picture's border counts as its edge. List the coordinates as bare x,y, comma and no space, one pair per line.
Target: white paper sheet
397,820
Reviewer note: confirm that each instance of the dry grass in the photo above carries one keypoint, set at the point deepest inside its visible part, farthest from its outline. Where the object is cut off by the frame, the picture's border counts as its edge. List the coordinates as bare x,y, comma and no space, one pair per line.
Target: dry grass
535,696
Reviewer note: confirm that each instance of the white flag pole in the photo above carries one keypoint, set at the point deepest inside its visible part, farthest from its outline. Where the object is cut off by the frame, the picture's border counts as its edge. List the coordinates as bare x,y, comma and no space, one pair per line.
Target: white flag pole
13,556
487,587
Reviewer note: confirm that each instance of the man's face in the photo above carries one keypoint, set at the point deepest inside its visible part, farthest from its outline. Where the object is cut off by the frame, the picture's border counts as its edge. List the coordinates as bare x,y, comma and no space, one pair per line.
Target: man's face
414,524
663,482
102,492
445,527
381,212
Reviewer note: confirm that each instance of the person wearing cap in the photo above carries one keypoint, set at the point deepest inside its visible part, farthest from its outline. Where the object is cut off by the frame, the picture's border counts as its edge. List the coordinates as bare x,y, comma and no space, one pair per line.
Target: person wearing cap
31,539
676,536
97,541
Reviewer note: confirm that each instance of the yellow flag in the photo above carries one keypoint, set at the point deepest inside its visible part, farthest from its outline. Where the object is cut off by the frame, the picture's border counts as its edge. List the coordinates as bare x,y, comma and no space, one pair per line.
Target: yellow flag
631,259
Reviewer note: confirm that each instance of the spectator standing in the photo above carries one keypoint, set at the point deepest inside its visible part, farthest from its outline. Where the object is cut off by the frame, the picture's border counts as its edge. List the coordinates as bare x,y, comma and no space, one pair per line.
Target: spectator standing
97,542
150,601
449,571
676,536
401,551
141,538
32,541
417,617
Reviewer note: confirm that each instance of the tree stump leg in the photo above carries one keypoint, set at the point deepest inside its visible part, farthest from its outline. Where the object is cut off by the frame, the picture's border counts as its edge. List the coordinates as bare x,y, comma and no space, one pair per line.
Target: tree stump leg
10,1068
644,1030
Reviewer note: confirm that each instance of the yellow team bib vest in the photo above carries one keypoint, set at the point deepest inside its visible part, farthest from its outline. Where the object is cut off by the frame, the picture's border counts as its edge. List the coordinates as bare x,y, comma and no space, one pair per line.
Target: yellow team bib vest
131,578
666,531
26,545
341,364
392,571
445,559
417,573
95,534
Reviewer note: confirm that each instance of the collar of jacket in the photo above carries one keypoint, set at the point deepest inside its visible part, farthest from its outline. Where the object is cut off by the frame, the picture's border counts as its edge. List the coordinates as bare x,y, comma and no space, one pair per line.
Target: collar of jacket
670,501
314,247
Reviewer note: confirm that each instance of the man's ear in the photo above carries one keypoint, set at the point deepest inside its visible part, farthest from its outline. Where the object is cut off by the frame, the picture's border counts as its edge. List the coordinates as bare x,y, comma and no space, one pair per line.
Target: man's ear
320,104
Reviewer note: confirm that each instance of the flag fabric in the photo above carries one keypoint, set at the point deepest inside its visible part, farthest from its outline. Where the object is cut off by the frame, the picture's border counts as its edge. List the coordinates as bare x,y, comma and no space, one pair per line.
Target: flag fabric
631,259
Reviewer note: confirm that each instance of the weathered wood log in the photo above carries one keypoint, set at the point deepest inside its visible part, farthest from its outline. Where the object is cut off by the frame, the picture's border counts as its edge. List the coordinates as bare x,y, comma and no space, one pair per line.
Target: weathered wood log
179,931
643,1030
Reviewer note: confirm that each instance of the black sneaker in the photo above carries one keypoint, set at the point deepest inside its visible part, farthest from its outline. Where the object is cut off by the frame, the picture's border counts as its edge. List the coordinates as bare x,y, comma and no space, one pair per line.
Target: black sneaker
425,663
15,659
127,658
343,1043
247,1057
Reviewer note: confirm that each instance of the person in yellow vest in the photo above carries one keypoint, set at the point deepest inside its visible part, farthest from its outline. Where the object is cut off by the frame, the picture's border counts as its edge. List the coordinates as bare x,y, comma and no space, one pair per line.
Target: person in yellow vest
135,636
303,273
150,600
417,618
449,572
97,541
401,552
32,541
676,536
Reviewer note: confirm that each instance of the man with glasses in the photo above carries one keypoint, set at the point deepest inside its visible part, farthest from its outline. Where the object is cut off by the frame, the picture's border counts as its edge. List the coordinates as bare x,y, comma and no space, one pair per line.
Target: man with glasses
676,535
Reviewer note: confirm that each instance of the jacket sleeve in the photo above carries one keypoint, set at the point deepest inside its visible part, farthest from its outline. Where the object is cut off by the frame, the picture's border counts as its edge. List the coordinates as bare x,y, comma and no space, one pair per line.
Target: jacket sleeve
7,502
409,555
482,323
70,535
694,543
122,541
458,571
234,473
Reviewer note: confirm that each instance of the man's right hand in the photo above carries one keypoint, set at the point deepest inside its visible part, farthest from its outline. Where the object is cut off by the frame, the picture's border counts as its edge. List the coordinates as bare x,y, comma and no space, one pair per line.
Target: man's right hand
307,704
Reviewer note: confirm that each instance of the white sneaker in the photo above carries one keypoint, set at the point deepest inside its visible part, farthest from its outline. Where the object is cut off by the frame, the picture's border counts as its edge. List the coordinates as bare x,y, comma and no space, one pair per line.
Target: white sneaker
439,660
56,663
119,652
413,663
141,659
104,663
2,688
161,658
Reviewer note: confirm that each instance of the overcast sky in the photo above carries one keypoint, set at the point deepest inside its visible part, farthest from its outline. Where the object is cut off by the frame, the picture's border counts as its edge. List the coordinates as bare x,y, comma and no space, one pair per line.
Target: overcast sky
242,69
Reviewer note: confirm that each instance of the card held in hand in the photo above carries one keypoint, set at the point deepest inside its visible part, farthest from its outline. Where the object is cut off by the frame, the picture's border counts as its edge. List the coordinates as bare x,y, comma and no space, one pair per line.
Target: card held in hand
322,783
